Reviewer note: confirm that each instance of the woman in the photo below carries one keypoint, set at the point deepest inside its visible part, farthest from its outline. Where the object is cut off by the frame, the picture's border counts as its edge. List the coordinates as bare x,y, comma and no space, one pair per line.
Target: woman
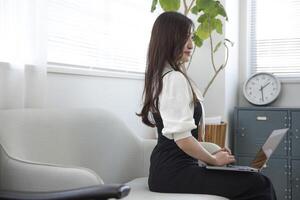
173,101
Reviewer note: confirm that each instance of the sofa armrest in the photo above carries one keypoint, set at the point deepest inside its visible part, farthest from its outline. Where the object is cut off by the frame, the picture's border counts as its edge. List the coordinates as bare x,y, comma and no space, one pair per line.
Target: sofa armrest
93,192
20,175
148,146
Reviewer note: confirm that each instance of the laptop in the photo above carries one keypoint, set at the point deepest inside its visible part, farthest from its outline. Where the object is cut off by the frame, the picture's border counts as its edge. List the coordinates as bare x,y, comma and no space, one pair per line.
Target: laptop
262,156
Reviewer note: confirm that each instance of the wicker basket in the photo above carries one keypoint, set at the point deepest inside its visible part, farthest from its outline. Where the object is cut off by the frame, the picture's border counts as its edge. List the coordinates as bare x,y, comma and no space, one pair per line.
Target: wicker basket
216,133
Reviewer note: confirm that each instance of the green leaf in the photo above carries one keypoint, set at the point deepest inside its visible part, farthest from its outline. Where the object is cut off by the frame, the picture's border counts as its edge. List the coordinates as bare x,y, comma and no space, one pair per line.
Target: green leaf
203,31
170,5
221,10
153,6
218,26
198,41
195,10
203,18
217,46
204,4
212,10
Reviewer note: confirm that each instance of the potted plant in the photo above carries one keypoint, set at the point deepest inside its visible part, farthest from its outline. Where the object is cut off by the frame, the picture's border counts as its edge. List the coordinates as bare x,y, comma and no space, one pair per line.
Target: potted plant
208,14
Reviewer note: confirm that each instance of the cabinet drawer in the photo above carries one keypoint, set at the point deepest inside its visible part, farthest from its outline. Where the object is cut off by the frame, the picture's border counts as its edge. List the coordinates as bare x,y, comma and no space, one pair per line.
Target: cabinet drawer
276,170
295,179
254,127
295,134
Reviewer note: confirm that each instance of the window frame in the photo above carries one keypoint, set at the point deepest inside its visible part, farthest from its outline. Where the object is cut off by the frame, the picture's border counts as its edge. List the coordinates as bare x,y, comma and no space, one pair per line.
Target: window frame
58,68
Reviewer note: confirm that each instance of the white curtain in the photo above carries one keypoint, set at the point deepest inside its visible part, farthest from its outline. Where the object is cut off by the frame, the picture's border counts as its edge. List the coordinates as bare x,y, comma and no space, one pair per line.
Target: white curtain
23,39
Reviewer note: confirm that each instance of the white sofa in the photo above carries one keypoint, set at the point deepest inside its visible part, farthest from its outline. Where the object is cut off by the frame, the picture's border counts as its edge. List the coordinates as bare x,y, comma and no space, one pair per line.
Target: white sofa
55,149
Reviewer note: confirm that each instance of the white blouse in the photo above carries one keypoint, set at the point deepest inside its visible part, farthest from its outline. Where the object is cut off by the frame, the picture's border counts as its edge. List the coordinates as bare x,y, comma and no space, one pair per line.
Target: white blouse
176,105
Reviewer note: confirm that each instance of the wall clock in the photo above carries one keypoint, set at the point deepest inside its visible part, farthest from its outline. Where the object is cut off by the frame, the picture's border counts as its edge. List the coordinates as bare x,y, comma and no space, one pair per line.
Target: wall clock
262,88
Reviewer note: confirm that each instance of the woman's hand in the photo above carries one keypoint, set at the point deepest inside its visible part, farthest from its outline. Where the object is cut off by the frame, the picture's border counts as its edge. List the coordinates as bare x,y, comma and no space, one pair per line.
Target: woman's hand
193,148
223,157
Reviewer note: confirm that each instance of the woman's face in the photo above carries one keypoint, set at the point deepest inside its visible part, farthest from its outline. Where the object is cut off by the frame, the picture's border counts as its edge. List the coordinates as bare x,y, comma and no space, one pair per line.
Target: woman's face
187,49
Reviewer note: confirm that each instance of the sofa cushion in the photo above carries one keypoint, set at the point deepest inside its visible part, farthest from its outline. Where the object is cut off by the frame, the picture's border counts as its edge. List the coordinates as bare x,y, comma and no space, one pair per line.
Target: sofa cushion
139,190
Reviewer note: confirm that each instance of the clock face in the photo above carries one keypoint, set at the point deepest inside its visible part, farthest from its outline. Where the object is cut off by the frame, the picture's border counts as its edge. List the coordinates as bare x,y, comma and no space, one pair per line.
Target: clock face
262,88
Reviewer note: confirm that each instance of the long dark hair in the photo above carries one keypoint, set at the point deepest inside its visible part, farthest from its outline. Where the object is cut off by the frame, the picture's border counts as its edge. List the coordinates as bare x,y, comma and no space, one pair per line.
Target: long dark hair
170,33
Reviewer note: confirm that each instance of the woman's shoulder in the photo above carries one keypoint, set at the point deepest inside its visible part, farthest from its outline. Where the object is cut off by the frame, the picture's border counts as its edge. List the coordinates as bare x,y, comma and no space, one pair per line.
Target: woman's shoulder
173,75
173,78
175,81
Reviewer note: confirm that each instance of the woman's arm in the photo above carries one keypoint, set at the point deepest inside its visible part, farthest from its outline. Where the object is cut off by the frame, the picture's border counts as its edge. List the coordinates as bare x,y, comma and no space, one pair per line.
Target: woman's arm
194,149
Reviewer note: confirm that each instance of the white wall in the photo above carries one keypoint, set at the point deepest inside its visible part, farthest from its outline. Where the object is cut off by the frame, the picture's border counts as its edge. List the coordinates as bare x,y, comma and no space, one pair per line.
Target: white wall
119,95
232,70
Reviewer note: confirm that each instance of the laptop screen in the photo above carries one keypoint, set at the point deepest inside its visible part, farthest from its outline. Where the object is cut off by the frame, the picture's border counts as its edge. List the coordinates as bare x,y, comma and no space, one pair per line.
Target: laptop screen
268,148
259,160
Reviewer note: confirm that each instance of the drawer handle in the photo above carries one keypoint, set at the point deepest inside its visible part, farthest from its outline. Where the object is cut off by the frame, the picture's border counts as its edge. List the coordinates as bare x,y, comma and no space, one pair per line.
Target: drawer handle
261,118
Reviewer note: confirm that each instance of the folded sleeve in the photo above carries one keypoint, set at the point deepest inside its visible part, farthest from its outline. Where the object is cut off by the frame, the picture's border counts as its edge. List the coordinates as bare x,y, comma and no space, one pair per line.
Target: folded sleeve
176,107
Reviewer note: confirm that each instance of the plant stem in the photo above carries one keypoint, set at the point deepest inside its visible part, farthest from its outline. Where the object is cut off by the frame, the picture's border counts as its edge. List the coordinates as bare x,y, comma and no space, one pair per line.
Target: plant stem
218,71
185,8
227,55
212,53
212,80
190,7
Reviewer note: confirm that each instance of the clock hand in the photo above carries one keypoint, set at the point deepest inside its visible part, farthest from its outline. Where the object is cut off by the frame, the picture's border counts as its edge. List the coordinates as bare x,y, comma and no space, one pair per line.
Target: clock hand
262,92
265,85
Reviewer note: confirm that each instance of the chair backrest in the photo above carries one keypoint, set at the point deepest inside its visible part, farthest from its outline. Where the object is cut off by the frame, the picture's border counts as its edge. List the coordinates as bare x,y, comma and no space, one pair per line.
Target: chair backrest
91,138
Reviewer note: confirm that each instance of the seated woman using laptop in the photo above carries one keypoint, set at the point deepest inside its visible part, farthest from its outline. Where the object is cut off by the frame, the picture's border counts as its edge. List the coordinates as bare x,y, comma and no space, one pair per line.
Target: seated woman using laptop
175,104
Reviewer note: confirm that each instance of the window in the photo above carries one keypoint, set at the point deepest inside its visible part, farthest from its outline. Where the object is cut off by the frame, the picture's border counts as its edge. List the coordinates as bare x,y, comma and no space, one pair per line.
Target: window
99,34
275,37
